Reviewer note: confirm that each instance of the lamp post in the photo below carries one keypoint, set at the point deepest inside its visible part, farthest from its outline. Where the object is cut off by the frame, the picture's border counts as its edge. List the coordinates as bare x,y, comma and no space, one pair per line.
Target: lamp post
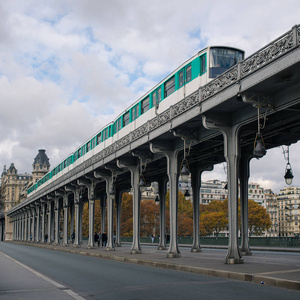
259,146
288,176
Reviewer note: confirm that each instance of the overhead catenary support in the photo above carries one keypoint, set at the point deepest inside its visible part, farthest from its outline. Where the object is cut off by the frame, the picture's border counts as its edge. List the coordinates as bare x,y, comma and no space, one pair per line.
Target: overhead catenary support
232,155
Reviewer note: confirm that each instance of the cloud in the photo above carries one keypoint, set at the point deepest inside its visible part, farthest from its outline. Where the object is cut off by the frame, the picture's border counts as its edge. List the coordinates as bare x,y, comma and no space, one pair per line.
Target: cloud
69,67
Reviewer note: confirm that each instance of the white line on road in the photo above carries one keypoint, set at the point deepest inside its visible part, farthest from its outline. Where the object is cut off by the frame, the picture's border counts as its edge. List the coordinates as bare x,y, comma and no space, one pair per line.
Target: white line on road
58,285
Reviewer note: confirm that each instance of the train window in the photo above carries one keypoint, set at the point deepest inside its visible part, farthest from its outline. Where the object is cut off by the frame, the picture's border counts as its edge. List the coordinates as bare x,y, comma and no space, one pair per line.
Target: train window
181,78
188,73
202,64
159,95
88,146
93,143
134,112
105,134
118,124
126,119
154,97
170,86
65,163
145,105
221,59
79,152
98,138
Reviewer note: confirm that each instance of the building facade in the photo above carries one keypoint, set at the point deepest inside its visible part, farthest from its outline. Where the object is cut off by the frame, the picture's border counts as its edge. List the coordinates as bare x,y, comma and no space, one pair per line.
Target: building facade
288,206
13,189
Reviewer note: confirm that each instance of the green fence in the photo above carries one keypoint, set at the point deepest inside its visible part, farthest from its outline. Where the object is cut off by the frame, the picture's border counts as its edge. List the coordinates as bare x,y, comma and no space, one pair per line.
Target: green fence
223,241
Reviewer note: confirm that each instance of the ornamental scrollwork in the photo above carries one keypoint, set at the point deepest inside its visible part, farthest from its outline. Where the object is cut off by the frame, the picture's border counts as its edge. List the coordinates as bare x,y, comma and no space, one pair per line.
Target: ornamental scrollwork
271,52
220,83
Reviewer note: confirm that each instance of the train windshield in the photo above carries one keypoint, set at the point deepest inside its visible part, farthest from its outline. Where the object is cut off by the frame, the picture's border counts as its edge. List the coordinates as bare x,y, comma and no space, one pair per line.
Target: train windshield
222,59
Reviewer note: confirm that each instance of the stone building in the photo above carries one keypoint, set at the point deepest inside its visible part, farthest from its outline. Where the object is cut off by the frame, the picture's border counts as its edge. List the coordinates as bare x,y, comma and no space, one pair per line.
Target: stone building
14,186
288,205
271,205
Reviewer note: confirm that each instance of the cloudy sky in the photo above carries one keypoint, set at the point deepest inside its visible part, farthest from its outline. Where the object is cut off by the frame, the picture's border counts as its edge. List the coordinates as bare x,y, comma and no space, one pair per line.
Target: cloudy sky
68,67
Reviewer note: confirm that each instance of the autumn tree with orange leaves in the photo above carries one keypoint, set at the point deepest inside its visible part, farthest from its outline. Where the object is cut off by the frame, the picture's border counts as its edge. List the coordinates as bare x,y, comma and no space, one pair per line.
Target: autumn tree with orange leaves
213,217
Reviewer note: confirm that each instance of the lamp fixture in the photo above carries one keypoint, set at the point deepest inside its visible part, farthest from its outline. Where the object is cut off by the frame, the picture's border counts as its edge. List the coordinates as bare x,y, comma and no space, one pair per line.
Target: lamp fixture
112,191
187,195
288,176
259,145
142,181
185,172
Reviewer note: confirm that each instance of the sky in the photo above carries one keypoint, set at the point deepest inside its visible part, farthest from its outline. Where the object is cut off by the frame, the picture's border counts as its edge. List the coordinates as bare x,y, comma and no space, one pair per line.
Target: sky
69,67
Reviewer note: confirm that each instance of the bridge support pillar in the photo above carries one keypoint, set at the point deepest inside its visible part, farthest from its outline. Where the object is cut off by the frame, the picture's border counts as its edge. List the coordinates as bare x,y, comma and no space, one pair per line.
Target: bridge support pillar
162,190
50,208
196,172
133,166
103,210
32,234
118,199
244,179
66,218
172,171
232,155
57,211
38,223
90,184
43,208
110,208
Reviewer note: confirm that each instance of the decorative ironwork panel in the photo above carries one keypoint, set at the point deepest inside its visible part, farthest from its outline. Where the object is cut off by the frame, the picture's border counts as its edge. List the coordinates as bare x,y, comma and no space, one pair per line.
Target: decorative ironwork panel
185,104
139,132
153,124
221,82
266,55
164,117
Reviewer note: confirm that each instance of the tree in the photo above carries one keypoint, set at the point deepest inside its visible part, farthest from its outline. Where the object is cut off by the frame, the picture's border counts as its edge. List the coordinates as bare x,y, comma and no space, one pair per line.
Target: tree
126,215
258,218
213,217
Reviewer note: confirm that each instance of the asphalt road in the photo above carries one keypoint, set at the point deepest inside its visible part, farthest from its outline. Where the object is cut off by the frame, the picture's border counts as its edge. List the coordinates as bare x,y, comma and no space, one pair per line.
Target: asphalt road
96,278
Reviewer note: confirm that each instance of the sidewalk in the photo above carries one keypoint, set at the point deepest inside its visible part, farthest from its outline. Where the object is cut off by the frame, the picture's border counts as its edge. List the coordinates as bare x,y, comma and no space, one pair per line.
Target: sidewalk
280,268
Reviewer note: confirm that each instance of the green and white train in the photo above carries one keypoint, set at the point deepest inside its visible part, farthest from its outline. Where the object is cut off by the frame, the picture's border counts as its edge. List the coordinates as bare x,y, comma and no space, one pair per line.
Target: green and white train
206,65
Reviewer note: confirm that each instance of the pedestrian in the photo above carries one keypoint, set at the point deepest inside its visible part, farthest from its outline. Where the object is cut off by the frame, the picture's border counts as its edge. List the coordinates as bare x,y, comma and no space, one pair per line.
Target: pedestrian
104,239
168,239
96,238
99,238
46,237
152,238
73,237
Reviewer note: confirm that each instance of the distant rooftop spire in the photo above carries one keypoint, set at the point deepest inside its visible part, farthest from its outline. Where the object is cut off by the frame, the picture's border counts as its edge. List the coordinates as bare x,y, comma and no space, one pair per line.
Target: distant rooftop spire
41,158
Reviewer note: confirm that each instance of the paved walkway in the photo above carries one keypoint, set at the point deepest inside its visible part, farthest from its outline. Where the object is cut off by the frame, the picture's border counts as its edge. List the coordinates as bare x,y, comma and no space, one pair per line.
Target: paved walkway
272,266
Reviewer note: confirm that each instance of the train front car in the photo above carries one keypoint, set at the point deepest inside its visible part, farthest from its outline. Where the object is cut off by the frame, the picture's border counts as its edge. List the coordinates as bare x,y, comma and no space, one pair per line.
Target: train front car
222,59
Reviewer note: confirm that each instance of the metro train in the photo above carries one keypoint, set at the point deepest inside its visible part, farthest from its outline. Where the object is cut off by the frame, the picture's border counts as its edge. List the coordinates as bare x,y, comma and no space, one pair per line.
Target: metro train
197,71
